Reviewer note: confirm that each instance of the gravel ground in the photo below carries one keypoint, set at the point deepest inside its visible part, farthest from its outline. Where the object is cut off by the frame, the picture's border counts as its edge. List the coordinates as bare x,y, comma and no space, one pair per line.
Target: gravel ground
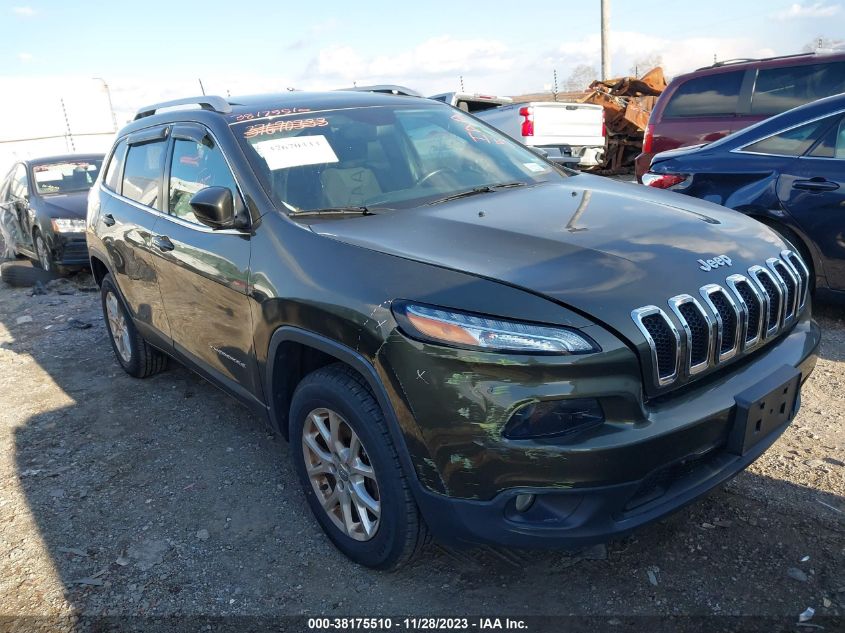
165,497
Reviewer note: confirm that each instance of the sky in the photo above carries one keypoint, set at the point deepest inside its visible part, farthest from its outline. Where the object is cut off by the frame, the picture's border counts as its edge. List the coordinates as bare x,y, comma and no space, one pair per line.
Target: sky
153,50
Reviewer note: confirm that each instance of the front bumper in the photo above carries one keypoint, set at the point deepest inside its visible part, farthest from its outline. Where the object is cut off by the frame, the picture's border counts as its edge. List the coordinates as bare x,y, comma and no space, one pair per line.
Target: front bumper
649,459
70,249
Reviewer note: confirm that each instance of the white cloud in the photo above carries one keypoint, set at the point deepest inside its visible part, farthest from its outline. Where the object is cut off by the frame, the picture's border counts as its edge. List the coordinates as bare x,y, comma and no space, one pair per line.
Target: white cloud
680,55
25,58
814,10
437,58
24,12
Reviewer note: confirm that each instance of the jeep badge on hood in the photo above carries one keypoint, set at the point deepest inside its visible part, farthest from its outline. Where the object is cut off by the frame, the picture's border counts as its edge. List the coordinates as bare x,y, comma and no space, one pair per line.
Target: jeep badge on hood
710,264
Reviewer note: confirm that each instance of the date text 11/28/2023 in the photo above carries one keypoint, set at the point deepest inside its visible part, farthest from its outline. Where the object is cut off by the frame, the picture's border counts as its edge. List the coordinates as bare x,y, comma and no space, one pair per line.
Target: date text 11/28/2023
415,624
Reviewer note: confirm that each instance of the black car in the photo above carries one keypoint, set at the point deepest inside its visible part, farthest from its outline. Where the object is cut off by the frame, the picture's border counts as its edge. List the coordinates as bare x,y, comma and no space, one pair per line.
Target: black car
42,208
457,336
788,172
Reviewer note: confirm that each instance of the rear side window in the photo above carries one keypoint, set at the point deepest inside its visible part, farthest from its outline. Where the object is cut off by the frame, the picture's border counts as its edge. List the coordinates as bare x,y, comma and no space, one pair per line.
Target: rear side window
832,144
792,142
142,173
115,167
710,95
780,89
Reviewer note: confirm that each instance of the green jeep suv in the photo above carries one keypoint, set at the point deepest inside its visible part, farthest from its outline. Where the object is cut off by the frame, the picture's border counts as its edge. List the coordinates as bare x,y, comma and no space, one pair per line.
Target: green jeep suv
458,337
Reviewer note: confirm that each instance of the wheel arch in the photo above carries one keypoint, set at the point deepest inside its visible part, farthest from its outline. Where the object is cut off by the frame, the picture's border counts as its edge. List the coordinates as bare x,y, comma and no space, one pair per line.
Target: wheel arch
294,352
99,269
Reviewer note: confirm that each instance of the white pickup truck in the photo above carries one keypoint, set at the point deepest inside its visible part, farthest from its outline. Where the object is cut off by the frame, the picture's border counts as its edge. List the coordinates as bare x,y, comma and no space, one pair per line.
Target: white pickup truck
569,133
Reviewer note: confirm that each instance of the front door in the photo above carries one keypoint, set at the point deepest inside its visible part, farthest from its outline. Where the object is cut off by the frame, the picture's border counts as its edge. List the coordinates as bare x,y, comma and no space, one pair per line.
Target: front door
203,273
814,194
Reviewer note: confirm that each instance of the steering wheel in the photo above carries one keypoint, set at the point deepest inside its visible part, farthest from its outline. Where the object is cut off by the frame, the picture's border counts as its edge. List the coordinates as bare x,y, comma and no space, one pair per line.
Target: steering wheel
429,175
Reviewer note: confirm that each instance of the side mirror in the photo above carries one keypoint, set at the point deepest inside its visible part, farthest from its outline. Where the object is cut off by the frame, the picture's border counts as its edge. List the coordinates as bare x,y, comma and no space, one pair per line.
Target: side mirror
215,207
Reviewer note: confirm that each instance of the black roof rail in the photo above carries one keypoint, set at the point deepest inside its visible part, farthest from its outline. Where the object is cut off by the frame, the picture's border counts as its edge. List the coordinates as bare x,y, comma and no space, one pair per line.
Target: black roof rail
210,102
745,60
391,89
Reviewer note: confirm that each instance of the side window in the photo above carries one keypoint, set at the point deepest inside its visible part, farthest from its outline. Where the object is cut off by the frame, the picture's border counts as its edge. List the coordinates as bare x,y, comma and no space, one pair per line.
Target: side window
143,171
832,144
115,167
780,89
195,166
792,142
711,95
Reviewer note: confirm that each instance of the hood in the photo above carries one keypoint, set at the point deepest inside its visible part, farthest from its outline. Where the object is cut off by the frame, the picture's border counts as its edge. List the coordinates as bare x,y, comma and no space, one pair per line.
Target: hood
598,246
64,205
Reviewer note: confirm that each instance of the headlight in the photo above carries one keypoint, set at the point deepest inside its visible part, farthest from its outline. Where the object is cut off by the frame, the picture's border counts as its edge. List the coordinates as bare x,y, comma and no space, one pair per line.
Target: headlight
68,225
476,331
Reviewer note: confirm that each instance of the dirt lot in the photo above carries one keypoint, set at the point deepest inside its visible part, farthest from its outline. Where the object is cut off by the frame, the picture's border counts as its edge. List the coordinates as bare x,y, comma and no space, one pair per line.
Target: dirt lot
164,496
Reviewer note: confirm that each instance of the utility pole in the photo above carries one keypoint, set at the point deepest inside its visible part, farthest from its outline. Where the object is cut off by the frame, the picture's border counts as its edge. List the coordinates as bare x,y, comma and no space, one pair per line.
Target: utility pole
69,135
605,40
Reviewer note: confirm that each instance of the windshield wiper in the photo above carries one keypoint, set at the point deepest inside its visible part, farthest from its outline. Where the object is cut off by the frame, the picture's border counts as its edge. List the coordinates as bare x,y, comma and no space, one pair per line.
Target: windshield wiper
477,190
333,211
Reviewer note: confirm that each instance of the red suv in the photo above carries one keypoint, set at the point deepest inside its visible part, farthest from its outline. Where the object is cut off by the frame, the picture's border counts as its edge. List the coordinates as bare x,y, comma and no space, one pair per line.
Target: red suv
712,102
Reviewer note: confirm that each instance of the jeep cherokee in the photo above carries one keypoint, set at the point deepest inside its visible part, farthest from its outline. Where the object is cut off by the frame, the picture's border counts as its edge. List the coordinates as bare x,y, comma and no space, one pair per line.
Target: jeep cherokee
458,337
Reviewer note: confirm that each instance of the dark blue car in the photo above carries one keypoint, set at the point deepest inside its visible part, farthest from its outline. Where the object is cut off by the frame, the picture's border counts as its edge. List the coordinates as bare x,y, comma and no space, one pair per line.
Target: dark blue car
787,171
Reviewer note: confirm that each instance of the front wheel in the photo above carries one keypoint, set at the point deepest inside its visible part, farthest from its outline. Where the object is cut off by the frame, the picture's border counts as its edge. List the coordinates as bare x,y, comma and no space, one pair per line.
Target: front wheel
45,259
350,471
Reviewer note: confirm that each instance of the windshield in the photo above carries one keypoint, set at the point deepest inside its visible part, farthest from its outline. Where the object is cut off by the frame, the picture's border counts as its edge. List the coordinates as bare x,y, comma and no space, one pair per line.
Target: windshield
383,157
66,176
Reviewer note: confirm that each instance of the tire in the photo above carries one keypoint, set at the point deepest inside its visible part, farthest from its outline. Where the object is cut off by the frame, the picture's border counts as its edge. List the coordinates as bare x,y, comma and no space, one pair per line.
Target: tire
45,260
400,532
23,274
137,357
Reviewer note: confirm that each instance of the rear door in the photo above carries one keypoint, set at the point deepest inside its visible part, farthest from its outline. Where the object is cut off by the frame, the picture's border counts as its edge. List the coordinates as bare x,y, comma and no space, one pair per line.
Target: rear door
203,273
128,215
814,194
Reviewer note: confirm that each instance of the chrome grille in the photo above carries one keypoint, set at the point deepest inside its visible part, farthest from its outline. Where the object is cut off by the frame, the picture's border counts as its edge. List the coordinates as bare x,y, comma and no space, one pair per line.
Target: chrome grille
663,339
697,327
774,299
752,305
802,273
730,319
789,287
727,320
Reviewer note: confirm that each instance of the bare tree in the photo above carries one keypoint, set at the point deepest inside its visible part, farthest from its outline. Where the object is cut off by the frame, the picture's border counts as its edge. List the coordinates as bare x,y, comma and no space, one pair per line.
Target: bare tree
822,42
645,63
581,77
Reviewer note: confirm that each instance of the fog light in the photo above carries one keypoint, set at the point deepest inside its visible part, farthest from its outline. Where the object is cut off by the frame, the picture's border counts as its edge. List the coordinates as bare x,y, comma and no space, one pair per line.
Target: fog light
553,418
523,502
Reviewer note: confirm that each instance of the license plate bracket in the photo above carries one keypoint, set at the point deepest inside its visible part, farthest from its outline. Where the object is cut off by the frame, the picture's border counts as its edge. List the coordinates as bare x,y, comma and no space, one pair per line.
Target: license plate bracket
764,407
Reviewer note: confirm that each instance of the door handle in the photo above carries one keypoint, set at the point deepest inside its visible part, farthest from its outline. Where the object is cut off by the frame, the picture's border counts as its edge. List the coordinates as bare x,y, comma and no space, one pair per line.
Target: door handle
163,243
815,184
108,219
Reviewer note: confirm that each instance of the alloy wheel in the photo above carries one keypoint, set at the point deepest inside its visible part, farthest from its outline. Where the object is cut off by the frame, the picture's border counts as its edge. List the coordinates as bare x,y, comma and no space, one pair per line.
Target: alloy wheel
341,474
118,327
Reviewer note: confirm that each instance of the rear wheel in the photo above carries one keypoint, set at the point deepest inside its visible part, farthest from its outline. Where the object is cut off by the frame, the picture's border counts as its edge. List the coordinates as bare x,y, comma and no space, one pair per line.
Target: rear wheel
350,471
137,357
